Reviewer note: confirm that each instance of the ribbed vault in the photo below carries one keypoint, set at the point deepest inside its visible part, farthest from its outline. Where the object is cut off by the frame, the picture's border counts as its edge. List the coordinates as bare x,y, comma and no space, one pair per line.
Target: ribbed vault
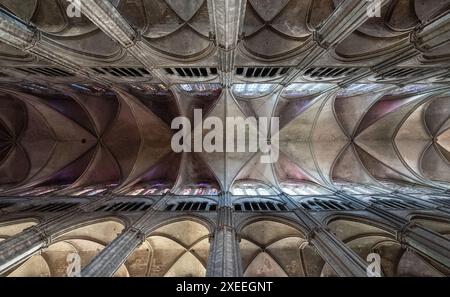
353,104
71,138
395,259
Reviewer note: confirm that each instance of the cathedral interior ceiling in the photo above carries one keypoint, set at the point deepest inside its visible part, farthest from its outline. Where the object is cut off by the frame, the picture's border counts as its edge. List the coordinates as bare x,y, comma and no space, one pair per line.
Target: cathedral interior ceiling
113,126
87,103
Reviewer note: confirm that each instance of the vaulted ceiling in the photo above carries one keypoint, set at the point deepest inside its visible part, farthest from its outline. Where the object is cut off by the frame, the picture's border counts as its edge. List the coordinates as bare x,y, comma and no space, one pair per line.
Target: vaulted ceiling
89,100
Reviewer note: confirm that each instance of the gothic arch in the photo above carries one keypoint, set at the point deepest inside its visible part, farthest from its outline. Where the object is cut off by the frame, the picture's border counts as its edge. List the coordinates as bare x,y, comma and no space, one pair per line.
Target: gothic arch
10,228
364,238
271,248
438,224
84,241
177,247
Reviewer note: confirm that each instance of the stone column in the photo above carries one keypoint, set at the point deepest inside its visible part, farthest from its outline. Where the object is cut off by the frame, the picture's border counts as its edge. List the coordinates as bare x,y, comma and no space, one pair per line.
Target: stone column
19,248
344,20
109,260
425,242
224,255
343,260
106,16
22,246
16,33
25,244
424,38
227,17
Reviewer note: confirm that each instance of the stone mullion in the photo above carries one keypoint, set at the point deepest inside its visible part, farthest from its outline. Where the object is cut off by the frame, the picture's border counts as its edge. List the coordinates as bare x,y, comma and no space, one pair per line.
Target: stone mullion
343,260
224,255
440,206
422,202
109,260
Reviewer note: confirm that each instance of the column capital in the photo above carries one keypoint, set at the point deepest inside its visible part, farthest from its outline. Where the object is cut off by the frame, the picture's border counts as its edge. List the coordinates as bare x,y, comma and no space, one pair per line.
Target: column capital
429,36
333,251
345,19
413,235
227,17
225,200
108,19
312,233
225,217
348,16
15,32
319,40
401,233
138,233
42,233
